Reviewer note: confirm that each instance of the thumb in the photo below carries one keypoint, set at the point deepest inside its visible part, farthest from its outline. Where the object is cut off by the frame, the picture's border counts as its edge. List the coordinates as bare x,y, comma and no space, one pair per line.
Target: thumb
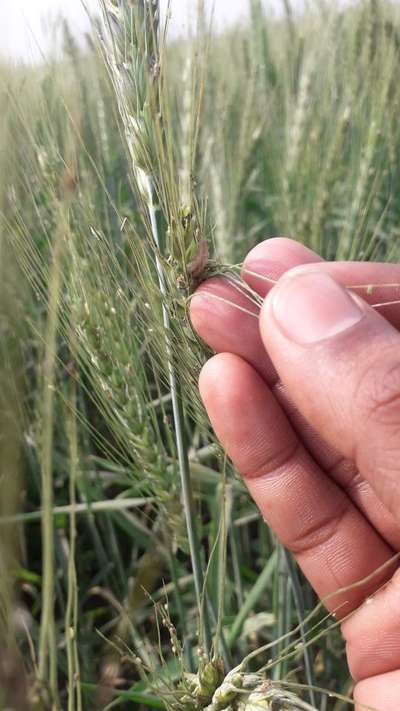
340,361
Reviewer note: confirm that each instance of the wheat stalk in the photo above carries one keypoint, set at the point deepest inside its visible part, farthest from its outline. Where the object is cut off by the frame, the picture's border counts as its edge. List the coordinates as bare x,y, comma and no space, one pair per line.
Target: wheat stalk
132,54
47,641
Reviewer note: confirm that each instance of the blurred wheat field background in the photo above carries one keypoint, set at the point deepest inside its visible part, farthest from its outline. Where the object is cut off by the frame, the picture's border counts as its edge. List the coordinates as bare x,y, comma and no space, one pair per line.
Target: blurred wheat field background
136,572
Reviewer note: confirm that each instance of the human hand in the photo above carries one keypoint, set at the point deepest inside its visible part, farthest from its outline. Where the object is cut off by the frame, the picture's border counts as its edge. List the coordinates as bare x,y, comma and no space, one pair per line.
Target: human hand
306,402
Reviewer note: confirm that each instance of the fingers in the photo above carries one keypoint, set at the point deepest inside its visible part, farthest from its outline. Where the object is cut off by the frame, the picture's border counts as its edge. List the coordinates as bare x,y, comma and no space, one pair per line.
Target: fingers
341,362
229,329
220,315
372,633
380,692
219,310
380,279
377,283
266,263
310,514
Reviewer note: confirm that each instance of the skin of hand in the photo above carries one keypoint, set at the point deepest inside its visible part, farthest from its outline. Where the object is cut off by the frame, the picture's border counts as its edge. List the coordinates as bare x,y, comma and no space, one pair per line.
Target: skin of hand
305,399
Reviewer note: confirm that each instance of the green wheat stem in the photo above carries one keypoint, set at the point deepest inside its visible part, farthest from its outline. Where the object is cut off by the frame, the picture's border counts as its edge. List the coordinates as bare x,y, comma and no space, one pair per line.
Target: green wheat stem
71,614
77,509
182,451
299,605
134,102
47,640
188,651
226,504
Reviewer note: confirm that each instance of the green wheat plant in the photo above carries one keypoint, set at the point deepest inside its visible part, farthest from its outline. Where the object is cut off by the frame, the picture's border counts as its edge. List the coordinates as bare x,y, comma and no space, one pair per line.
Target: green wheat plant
135,62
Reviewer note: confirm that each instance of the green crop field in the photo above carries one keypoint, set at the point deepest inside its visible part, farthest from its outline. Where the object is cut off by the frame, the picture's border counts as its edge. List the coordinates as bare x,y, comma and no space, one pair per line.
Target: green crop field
135,570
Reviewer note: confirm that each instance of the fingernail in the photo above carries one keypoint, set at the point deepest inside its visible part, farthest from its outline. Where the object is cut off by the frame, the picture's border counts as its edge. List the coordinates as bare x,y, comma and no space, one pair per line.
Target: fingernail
313,307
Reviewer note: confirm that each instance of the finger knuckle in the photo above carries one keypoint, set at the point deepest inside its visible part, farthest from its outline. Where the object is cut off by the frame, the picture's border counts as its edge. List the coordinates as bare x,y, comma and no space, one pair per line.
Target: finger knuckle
381,395
321,530
273,461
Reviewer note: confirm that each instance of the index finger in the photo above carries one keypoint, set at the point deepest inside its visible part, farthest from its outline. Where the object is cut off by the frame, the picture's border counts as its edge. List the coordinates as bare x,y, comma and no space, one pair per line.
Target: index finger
333,542
378,283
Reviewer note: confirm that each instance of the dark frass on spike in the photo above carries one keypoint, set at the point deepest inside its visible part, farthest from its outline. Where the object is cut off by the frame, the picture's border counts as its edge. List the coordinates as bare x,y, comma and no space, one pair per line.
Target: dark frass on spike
189,249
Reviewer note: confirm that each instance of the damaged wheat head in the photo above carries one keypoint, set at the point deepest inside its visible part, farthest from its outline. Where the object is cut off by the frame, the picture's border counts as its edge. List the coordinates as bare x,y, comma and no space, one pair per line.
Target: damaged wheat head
238,691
